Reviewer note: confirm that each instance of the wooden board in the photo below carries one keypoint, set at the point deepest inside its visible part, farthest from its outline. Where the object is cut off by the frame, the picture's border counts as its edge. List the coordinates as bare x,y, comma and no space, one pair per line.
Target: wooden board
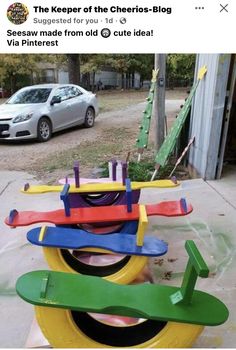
97,214
99,187
94,294
118,243
144,128
168,145
84,180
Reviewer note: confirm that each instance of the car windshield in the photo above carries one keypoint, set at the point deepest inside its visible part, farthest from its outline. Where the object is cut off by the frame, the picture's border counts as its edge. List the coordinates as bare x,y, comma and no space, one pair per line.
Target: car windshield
30,96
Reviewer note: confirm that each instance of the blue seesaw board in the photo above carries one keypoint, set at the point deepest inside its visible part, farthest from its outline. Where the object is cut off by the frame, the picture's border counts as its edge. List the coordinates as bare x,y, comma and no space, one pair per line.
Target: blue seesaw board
66,238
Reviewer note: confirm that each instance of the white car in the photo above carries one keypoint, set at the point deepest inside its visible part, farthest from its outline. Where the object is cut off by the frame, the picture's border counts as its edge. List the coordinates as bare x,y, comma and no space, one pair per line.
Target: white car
39,110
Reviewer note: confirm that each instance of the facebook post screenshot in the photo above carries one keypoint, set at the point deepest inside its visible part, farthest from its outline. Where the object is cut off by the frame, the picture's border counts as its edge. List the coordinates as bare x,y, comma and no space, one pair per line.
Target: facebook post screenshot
117,174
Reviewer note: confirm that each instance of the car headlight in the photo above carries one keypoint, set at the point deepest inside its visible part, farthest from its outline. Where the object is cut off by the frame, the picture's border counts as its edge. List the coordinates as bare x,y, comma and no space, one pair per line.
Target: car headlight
22,118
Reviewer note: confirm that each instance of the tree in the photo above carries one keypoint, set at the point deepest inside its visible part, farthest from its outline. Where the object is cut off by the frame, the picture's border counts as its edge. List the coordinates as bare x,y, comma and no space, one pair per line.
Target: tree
143,64
16,70
73,61
128,64
92,64
180,69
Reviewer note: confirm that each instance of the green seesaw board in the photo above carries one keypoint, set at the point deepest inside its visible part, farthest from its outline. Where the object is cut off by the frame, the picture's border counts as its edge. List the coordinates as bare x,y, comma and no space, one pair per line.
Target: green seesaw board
93,294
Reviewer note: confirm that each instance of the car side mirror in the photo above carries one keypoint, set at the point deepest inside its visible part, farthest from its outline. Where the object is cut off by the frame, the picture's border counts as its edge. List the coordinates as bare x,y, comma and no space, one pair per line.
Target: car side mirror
55,99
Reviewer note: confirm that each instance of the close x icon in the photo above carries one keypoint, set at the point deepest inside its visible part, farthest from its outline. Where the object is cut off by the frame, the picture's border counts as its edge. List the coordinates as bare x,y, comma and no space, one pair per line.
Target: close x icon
224,8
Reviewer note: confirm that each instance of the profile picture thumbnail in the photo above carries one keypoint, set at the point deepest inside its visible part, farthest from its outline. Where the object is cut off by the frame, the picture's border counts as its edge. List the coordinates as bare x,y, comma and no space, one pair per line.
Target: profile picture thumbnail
17,13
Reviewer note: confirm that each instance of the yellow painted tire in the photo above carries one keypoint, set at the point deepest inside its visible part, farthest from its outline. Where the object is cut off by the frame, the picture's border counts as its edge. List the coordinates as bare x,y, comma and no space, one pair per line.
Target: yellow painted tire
61,331
125,275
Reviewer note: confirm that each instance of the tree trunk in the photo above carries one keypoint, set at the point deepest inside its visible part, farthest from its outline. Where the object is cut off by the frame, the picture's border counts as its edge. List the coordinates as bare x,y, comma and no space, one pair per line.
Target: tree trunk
93,82
74,68
133,84
122,80
126,81
128,78
13,84
86,81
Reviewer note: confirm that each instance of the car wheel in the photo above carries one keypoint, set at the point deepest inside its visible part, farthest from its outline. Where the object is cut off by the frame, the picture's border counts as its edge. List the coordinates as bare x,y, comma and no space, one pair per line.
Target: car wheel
44,131
89,118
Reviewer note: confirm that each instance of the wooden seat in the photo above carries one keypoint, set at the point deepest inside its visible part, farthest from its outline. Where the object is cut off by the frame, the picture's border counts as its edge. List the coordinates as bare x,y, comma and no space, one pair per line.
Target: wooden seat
96,214
99,187
66,238
156,302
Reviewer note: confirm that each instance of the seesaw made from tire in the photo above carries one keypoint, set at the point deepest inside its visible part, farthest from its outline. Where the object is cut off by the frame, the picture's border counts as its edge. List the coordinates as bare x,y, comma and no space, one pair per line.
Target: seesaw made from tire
99,220
78,200
174,317
126,267
105,198
60,245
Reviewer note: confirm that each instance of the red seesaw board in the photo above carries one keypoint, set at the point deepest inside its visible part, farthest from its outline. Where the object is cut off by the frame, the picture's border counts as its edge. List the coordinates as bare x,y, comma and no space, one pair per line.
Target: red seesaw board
97,214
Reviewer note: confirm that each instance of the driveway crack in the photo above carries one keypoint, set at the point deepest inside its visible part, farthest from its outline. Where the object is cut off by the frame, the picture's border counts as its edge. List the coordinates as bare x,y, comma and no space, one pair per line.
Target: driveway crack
4,189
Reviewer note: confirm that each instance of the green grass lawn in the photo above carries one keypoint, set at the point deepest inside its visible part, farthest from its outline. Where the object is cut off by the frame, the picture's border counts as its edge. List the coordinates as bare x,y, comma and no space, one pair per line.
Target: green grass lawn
110,100
114,100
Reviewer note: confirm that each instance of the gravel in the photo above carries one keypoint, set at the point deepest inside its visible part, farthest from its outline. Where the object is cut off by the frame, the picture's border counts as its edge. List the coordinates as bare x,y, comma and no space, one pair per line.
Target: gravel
20,155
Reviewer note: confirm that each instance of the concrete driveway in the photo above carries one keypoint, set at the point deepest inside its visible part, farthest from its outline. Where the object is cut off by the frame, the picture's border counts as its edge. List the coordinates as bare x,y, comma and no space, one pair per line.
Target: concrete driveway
212,225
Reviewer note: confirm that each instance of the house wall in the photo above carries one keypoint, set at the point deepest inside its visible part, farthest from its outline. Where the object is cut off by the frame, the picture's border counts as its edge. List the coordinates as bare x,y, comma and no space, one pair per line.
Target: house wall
49,73
207,114
114,79
63,77
109,79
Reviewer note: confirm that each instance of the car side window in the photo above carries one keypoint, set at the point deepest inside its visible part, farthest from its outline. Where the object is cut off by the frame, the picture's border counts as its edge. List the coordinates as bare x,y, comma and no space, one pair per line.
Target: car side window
62,93
73,91
67,92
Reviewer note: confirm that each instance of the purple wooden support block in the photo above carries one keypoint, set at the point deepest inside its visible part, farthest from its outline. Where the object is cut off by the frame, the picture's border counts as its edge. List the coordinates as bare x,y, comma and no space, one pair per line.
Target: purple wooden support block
124,172
183,204
26,186
66,179
65,198
174,179
128,195
76,172
12,215
114,166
